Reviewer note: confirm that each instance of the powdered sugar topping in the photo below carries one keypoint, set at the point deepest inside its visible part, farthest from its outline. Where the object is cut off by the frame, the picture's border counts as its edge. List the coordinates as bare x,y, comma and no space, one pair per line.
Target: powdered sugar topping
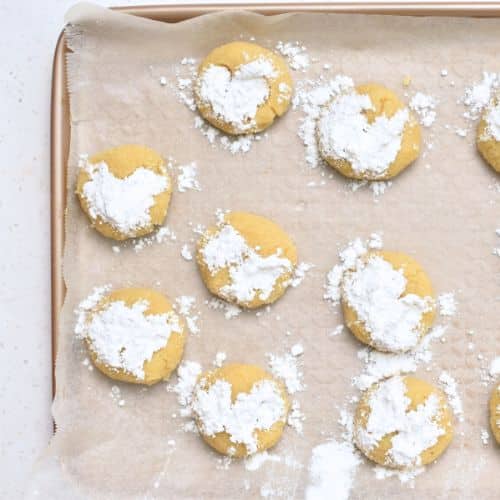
251,274
375,290
344,133
258,409
492,118
414,430
122,203
235,98
125,337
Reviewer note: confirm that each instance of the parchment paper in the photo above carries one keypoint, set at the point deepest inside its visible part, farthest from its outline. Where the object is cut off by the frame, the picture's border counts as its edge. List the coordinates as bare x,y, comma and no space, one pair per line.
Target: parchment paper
444,215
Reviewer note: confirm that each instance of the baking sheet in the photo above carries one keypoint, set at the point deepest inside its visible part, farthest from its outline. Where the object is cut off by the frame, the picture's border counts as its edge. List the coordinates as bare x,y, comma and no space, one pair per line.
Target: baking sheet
432,213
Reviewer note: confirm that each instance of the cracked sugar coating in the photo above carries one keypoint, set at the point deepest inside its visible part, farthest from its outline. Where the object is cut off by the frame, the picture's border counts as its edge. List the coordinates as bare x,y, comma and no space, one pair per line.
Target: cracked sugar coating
403,422
246,259
495,412
488,134
368,133
242,87
240,409
134,335
124,191
388,301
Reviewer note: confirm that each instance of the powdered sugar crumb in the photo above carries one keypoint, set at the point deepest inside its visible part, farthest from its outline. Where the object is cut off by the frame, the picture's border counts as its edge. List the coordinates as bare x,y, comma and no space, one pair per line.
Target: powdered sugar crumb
449,386
296,54
286,368
425,107
447,304
187,375
299,273
230,310
187,178
185,305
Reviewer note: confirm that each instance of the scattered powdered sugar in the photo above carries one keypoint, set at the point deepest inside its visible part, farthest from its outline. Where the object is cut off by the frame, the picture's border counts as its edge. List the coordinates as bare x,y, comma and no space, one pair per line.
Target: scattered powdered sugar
163,234
485,436
186,252
234,145
187,178
449,386
405,475
220,357
125,337
496,250
414,430
344,133
185,304
296,54
332,471
230,310
374,290
122,203
251,274
495,367
348,258
256,461
336,331
479,94
425,107
381,365
310,97
258,409
116,396
235,98
187,376
286,368
299,273
296,417
447,304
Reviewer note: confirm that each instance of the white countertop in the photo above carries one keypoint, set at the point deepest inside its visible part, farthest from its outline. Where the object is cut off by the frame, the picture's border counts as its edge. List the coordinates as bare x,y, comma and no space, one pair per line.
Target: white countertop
28,34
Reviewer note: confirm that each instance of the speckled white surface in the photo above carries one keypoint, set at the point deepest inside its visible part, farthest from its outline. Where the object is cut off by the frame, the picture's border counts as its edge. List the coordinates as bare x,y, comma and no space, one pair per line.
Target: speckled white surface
28,33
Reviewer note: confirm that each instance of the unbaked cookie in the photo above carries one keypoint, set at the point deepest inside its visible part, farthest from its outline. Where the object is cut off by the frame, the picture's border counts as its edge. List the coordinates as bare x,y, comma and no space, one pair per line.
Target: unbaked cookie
488,134
403,422
388,301
246,259
240,409
125,191
134,335
368,133
495,412
241,88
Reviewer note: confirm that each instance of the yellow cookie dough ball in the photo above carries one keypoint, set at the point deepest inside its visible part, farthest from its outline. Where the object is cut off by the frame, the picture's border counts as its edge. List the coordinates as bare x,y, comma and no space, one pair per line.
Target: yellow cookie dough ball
368,133
125,191
495,412
246,259
403,422
242,87
488,134
134,335
240,409
388,301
